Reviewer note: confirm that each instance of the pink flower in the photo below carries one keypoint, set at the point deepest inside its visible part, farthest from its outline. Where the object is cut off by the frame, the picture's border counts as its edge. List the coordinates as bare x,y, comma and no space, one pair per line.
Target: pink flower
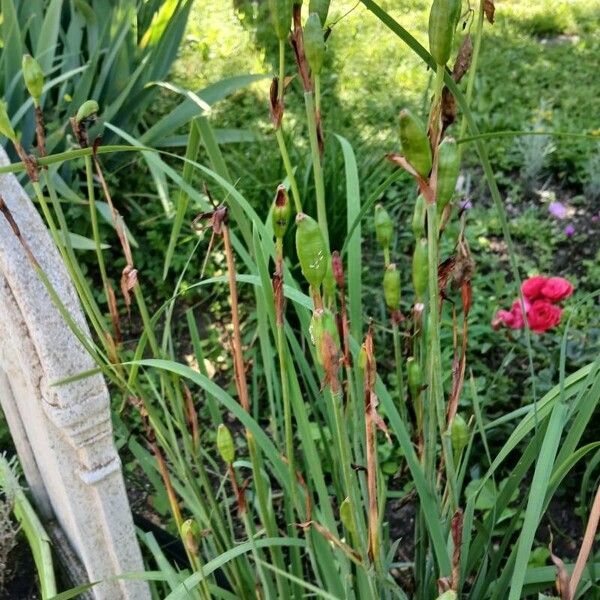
543,315
503,317
512,318
515,309
556,289
557,209
569,231
532,287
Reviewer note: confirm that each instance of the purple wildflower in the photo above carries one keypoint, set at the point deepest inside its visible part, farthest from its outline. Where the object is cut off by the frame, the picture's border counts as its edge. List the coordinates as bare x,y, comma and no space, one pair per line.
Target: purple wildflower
569,231
557,209
466,205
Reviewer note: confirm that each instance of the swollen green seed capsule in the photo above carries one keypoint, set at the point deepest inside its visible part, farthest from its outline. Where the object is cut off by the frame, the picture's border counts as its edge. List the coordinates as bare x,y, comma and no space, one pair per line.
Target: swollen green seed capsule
34,78
415,377
418,220
447,172
321,7
459,433
6,129
190,532
415,143
281,17
87,110
321,323
420,269
391,287
281,212
449,595
443,18
311,249
384,227
314,43
346,515
225,444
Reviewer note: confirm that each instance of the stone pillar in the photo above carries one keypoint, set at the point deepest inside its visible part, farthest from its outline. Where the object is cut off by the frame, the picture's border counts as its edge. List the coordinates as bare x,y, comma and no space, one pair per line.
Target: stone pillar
63,433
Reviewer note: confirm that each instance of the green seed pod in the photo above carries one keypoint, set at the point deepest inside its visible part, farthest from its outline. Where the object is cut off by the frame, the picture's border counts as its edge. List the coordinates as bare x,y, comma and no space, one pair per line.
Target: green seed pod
281,212
449,595
391,287
190,532
323,322
420,269
311,249
443,18
281,16
346,515
447,172
415,143
225,444
321,7
34,78
87,110
314,43
459,433
384,227
6,129
418,220
415,377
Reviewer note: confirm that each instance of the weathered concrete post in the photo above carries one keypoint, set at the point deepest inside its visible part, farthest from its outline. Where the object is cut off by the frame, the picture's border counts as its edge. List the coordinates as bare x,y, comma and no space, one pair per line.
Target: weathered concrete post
63,434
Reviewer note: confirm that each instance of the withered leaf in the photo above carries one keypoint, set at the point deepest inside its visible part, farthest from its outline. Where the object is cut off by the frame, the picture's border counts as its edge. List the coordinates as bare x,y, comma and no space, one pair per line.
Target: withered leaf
463,59
448,108
489,9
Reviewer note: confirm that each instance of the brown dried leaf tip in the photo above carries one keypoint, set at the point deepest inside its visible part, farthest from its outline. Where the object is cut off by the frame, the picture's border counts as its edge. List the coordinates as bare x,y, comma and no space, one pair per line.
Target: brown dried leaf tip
129,280
463,60
276,106
489,9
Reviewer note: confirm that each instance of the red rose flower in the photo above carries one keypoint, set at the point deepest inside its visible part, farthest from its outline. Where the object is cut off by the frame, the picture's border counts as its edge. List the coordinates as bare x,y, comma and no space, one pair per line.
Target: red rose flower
532,287
556,289
543,315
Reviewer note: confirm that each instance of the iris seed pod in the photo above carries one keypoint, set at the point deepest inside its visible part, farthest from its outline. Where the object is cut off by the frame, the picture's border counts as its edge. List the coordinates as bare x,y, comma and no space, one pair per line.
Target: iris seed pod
225,444
459,433
6,129
391,287
323,322
87,110
420,269
443,18
346,515
418,220
449,595
415,377
314,43
415,143
34,78
447,172
190,531
281,212
384,227
281,17
321,7
311,249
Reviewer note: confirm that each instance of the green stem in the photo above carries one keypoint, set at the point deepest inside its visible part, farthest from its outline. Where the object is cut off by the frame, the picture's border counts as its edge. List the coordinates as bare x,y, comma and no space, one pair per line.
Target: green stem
399,372
289,170
317,166
436,406
474,63
89,173
281,82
